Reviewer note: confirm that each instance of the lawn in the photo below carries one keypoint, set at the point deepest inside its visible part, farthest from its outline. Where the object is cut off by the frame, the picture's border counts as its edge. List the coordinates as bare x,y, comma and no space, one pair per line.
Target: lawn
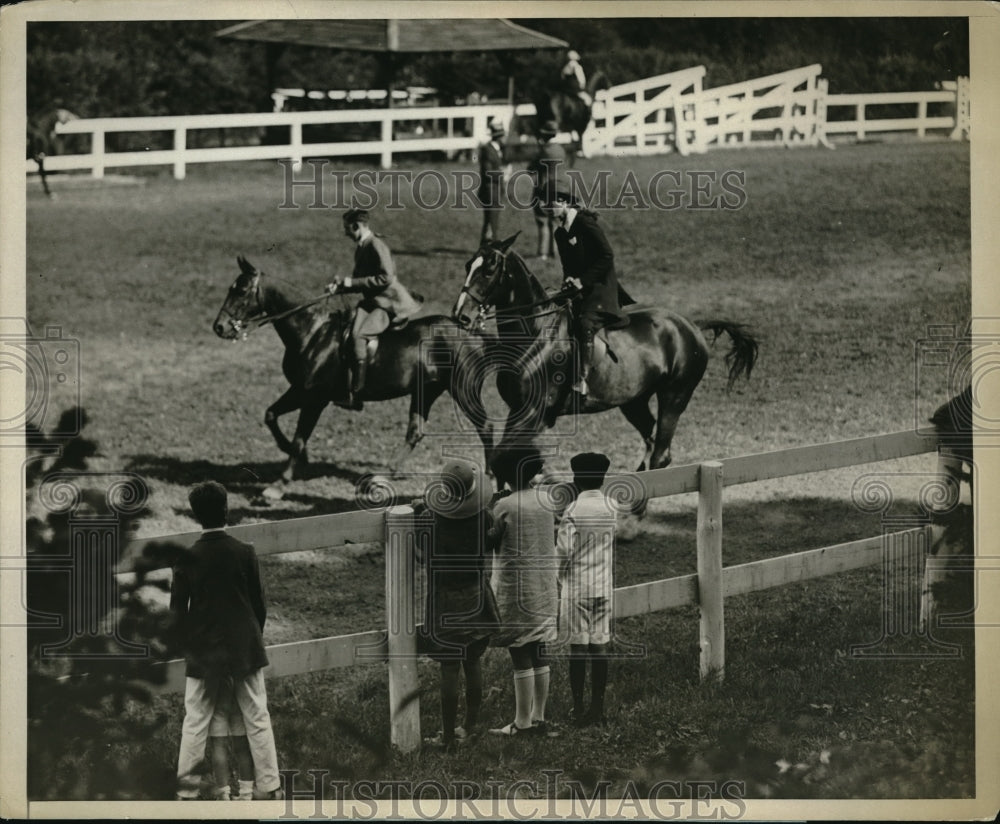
841,261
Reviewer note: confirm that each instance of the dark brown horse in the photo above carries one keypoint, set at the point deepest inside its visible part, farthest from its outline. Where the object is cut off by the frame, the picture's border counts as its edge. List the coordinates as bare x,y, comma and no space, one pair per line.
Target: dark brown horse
422,359
43,139
660,353
569,111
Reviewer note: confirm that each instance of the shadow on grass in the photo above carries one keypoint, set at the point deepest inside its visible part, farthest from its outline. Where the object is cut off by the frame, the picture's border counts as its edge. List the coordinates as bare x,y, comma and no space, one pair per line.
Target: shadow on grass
243,477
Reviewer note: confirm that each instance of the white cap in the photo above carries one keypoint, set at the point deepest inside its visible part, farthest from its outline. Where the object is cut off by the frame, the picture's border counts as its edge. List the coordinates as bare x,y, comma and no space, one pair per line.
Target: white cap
573,55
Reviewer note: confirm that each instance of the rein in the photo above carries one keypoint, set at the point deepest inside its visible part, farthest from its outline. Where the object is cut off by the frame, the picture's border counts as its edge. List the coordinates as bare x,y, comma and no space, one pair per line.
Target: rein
485,315
264,319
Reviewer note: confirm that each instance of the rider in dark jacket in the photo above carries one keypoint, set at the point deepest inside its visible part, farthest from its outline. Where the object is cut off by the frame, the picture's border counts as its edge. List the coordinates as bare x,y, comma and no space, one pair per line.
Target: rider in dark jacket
588,264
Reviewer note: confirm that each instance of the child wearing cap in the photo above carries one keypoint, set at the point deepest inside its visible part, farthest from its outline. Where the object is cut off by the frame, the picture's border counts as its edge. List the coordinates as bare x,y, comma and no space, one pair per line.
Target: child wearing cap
585,546
461,611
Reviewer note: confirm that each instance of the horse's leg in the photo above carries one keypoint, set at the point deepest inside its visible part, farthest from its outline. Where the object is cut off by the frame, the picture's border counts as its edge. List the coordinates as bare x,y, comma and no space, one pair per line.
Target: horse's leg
637,413
421,401
467,390
40,160
311,410
671,401
289,402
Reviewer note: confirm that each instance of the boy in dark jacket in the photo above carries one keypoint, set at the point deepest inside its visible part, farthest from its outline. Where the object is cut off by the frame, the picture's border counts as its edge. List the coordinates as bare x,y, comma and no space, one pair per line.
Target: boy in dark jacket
218,598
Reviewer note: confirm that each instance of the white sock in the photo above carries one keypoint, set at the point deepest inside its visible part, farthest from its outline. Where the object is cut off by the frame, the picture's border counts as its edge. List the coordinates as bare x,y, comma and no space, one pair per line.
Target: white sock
246,791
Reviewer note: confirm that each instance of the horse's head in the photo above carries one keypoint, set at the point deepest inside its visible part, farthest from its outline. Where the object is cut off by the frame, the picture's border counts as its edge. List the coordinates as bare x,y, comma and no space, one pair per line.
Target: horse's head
242,304
486,276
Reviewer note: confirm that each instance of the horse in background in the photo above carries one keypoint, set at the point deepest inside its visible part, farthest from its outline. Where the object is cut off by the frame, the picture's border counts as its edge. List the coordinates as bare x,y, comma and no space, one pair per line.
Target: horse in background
43,139
422,359
660,353
571,113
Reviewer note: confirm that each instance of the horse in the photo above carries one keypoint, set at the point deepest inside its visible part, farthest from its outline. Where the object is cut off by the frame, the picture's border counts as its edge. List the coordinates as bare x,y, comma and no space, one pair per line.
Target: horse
659,353
42,139
422,359
569,111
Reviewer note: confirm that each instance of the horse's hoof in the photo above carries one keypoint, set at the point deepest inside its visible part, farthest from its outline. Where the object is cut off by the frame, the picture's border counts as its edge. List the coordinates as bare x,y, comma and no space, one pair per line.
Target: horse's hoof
273,493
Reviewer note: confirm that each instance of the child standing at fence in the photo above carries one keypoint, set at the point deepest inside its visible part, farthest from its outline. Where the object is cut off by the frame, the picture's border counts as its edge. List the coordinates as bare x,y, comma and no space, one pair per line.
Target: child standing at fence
218,599
524,576
461,611
585,545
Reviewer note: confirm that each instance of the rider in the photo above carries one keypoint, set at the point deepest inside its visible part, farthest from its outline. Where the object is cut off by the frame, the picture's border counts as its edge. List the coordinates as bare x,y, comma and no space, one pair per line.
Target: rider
574,81
588,264
384,300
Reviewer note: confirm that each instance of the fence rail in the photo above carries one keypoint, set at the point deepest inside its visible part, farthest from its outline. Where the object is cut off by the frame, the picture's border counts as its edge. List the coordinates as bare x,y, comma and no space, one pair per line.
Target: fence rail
654,115
708,587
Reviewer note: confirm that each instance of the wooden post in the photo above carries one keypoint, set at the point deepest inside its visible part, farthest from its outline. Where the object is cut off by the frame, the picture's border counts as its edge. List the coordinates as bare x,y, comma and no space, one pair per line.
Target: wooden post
97,150
180,144
710,594
921,118
295,139
860,117
386,141
401,627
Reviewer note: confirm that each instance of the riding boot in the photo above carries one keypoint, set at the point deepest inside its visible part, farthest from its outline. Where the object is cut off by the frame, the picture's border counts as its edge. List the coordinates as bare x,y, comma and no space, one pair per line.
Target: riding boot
358,382
586,354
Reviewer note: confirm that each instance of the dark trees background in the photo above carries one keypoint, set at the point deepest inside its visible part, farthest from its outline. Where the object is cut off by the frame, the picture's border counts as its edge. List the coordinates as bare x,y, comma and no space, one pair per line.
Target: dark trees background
107,69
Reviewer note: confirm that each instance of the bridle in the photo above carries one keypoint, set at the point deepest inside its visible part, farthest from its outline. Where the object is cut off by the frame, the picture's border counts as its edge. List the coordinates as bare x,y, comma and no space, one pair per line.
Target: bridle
483,305
260,317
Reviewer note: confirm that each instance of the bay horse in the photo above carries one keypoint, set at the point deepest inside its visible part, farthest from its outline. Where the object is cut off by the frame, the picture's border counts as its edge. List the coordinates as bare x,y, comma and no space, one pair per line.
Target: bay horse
422,359
42,139
569,111
659,353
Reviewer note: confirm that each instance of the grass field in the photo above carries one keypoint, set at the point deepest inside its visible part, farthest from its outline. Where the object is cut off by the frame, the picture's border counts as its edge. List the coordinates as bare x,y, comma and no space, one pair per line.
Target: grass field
841,261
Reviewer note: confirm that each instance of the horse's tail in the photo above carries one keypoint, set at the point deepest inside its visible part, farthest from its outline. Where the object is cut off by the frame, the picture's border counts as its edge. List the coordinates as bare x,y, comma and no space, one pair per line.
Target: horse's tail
742,355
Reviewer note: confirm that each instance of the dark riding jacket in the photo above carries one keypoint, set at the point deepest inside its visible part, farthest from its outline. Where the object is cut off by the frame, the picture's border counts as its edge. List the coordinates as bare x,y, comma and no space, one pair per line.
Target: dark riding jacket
586,254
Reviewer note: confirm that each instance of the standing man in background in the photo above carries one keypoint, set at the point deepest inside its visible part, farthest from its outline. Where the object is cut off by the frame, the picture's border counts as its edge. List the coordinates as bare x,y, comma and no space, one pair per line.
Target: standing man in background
491,182
546,170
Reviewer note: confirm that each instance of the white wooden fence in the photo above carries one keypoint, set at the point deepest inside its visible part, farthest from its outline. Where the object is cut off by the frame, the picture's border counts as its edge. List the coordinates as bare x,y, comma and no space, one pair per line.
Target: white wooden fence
651,116
708,587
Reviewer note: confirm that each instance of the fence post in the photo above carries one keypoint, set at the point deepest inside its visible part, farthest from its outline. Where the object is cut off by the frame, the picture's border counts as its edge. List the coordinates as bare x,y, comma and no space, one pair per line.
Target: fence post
387,141
97,150
710,594
962,110
921,118
401,628
860,118
180,145
295,139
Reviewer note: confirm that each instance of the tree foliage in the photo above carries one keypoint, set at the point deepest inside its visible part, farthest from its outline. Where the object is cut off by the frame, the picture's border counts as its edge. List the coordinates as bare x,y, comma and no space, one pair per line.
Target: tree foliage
89,699
106,69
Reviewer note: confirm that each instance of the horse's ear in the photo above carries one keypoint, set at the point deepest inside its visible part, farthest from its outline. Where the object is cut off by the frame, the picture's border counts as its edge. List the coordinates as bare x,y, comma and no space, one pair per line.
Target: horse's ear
245,265
506,244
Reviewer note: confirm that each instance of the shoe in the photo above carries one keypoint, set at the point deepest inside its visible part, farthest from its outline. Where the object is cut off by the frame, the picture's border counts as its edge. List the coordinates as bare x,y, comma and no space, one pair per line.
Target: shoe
274,795
437,742
511,729
580,387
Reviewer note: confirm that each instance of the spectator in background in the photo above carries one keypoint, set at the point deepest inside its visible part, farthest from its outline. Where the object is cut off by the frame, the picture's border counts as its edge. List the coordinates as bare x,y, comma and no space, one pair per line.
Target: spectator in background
524,579
218,599
546,169
491,182
461,611
585,546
